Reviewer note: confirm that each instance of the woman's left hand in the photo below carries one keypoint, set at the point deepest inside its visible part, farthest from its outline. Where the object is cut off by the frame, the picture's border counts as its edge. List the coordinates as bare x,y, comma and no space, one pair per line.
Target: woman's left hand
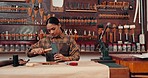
60,57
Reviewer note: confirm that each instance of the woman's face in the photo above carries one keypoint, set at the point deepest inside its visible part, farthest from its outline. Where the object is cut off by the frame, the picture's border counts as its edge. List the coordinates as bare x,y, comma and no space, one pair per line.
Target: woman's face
53,29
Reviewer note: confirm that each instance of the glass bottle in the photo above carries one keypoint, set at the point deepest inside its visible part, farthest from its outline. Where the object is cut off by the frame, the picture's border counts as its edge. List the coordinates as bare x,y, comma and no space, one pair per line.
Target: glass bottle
92,47
17,47
12,47
28,46
22,46
6,48
87,47
82,47
1,48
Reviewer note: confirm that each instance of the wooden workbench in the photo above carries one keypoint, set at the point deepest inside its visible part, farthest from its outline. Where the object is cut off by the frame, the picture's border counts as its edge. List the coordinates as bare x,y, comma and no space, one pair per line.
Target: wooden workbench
116,70
136,66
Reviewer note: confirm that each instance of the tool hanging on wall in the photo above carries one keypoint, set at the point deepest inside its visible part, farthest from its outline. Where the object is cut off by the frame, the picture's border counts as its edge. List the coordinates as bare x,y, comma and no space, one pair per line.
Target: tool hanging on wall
104,38
40,3
132,31
120,33
136,10
142,36
75,34
100,29
139,13
111,37
114,33
107,34
89,35
140,6
126,27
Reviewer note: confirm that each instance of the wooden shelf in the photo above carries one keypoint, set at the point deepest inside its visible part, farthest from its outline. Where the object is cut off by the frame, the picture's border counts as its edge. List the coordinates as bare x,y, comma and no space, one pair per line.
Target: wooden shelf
84,52
12,0
13,12
112,52
17,41
12,52
81,25
21,24
87,11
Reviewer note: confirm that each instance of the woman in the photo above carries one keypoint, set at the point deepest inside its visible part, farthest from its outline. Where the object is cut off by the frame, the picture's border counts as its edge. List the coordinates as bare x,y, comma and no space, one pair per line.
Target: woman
64,48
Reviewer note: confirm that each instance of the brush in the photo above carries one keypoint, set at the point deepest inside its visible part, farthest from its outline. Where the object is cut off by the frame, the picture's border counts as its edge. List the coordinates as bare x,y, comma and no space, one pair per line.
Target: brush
126,27
120,32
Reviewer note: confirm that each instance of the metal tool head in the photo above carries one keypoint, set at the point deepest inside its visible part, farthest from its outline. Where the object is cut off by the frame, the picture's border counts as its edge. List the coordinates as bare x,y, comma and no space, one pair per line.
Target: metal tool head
132,26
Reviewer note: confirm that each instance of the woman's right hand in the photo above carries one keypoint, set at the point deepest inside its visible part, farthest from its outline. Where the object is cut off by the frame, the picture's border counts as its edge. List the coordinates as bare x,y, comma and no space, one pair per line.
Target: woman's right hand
37,51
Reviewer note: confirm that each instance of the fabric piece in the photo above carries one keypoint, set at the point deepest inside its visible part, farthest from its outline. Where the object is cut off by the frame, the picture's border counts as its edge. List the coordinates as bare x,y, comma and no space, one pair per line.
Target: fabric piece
85,69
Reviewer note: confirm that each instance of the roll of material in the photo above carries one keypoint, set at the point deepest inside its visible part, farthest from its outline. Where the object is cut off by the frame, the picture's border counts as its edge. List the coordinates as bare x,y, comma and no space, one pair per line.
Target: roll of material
15,61
6,62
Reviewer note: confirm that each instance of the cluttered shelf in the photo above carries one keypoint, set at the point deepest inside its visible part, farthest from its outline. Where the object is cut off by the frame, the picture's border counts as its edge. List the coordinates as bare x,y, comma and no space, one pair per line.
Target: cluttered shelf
98,52
13,52
13,12
13,1
82,52
21,24
89,11
17,41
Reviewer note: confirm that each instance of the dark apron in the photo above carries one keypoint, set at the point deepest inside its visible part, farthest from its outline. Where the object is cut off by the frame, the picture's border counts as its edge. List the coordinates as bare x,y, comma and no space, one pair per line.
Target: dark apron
64,50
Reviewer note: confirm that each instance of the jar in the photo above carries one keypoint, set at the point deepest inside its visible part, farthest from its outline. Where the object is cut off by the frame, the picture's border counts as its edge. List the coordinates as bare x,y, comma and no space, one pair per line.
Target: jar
17,47
1,48
82,47
12,47
87,47
23,48
92,47
28,46
6,48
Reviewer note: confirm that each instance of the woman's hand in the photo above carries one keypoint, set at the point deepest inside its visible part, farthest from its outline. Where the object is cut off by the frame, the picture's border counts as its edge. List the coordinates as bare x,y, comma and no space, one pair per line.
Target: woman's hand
60,57
37,51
